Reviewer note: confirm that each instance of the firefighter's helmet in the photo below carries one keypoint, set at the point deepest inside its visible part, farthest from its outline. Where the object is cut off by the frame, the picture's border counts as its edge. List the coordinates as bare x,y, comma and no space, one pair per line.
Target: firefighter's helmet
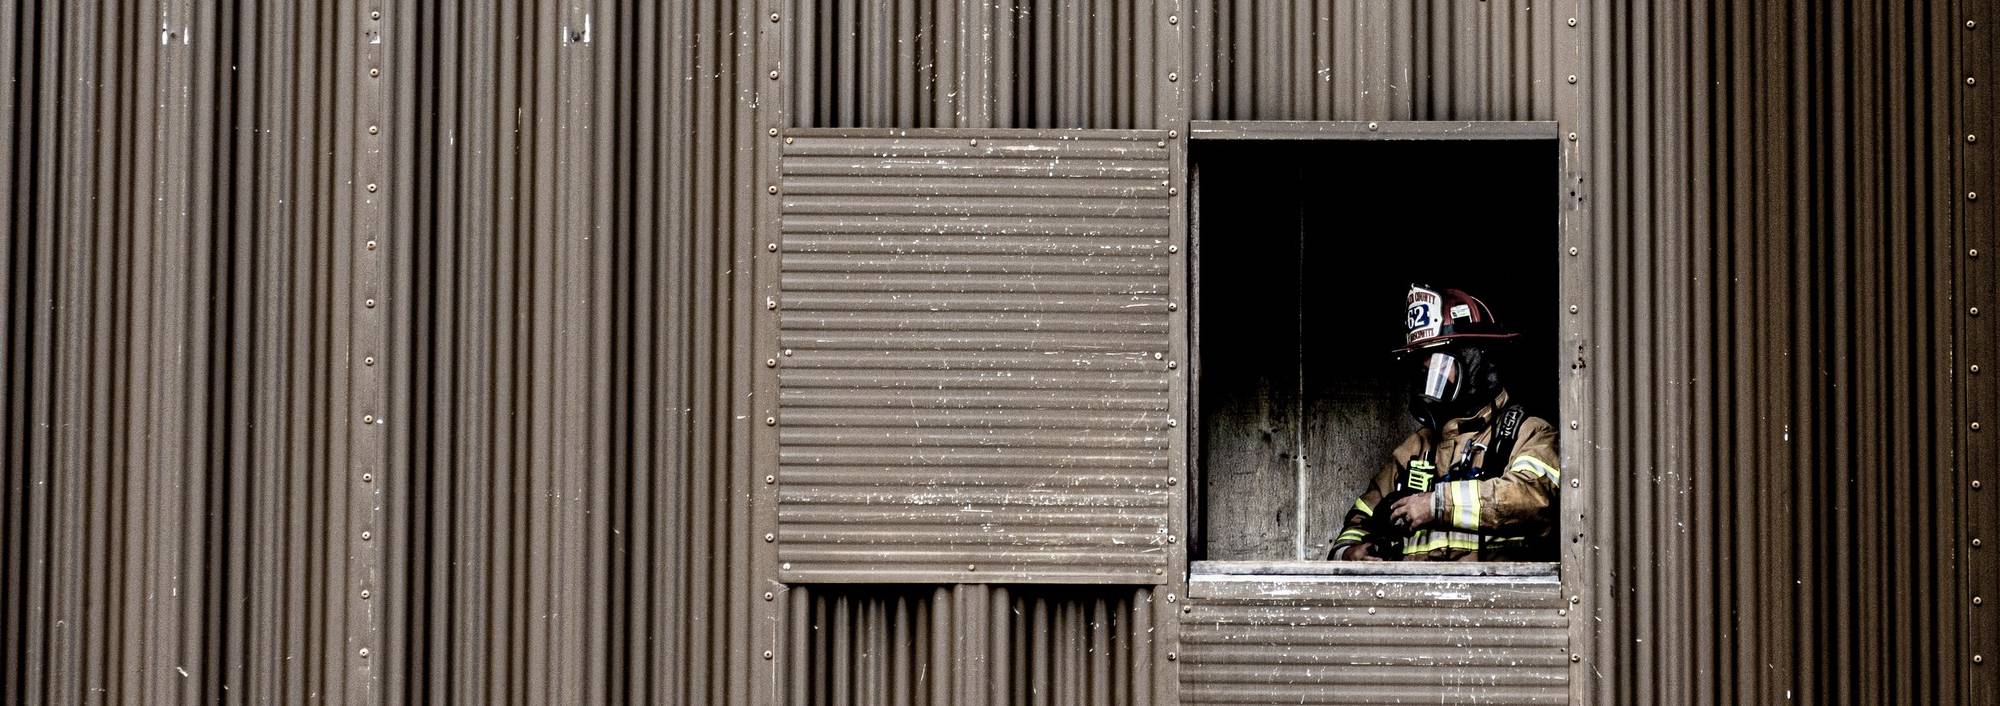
1444,317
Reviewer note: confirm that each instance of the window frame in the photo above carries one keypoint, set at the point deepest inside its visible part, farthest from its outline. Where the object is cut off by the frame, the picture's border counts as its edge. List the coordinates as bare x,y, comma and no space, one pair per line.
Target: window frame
1217,572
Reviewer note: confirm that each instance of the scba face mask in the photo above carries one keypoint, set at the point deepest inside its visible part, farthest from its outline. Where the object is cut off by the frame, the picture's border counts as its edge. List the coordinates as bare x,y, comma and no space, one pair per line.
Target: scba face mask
1441,381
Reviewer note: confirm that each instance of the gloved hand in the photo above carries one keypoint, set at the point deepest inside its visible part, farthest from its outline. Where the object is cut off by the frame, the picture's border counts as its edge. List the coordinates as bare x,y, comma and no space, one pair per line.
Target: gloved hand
1364,551
1414,512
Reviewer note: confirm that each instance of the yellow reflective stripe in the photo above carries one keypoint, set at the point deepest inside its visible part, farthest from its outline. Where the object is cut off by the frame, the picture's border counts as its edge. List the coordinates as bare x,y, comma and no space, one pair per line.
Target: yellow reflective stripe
1537,467
1354,535
1463,496
1364,508
1431,540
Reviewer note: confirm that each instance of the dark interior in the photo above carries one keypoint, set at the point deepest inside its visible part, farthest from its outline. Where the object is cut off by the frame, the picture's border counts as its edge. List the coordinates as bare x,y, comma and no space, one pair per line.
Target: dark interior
1304,251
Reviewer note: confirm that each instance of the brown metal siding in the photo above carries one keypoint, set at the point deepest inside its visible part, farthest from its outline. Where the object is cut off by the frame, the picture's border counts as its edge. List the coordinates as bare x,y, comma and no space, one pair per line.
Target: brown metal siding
1352,640
973,378
1769,347
575,477
182,408
970,644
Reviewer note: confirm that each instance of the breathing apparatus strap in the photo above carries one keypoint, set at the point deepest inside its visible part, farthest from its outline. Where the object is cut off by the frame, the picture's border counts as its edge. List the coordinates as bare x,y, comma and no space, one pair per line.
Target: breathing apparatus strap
1495,461
1504,434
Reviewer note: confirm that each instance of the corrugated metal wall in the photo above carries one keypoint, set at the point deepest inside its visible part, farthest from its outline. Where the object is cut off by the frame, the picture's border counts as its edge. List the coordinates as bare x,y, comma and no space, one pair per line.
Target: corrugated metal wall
1364,639
539,222
973,380
1779,508
186,289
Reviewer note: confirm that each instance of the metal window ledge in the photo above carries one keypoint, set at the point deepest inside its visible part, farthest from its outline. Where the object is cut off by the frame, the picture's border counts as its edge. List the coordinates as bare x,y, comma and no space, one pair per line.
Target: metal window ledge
1375,130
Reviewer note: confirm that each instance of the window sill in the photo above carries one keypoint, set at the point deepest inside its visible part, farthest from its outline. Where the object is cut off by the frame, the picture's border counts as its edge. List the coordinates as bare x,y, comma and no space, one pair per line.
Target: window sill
1371,581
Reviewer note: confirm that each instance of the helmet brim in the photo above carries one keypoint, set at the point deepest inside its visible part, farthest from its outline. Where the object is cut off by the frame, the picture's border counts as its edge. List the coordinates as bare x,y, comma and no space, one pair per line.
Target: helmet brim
1451,339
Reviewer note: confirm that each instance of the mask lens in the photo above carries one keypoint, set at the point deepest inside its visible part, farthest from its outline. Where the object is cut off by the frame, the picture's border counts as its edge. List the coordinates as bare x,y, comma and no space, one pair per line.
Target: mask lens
1441,376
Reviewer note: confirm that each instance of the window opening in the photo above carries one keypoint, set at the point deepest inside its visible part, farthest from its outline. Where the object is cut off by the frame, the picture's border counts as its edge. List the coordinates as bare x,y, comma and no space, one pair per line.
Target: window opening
1305,251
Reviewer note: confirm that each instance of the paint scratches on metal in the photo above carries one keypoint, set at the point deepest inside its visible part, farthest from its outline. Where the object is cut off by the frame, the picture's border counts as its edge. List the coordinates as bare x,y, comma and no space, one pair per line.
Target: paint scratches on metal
970,644
187,299
1254,640
972,373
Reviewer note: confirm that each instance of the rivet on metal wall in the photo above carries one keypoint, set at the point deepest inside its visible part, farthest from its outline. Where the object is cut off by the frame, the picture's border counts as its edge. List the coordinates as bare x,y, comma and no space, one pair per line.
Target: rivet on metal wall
787,566
769,537
770,421
1173,19
1572,252
772,132
1173,76
773,247
1173,191
1157,571
774,74
1186,609
1173,481
367,477
1159,356
1173,307
373,129
1171,249
769,479
370,245
364,653
771,303
774,17
1572,137
1573,600
1560,612
1172,364
366,535
1373,127
788,352
767,654
1379,593
370,360
1171,423
974,142
1173,134
770,362
1173,656
788,140
1572,424
1572,22
365,594
971,567
374,72
1575,658
371,188
1171,598
1572,78
1572,308
772,188
1160,143
1171,539
370,303
768,595
368,419
376,15
1574,483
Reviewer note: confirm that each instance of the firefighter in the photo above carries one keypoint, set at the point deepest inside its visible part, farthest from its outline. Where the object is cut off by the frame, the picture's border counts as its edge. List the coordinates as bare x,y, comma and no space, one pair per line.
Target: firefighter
1478,480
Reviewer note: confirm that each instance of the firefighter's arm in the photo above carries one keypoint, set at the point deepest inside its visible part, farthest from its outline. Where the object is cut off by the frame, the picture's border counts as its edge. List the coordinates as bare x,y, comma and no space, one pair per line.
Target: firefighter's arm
1518,501
1354,529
